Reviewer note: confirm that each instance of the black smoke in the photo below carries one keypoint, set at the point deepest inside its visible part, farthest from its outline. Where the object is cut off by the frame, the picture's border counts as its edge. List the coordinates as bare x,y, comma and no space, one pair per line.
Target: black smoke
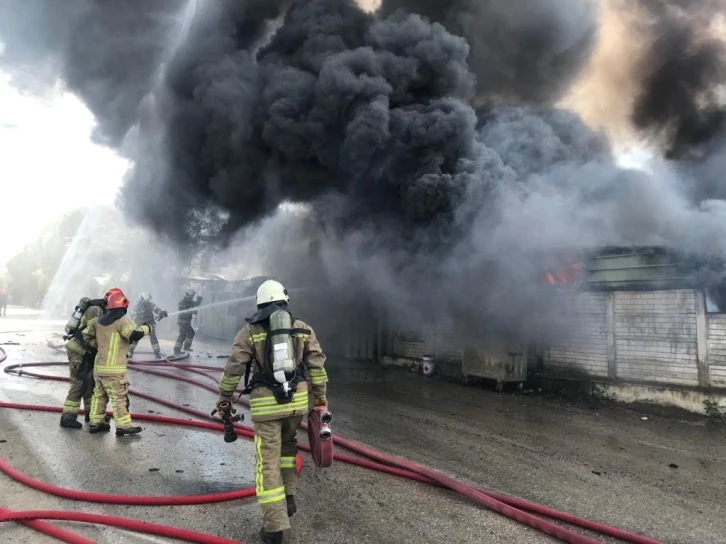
521,51
337,102
681,105
440,176
106,52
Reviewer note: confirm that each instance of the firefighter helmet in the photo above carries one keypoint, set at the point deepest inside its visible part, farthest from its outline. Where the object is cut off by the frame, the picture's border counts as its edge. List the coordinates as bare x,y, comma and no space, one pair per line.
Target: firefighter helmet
271,291
116,299
144,297
110,292
189,293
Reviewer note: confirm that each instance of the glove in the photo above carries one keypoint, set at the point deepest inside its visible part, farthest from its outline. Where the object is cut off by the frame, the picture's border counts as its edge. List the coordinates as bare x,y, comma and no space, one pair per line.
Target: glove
320,401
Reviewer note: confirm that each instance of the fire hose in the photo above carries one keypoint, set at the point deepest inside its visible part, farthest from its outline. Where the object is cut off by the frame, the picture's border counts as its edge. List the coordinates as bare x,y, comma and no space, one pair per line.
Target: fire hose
517,509
320,437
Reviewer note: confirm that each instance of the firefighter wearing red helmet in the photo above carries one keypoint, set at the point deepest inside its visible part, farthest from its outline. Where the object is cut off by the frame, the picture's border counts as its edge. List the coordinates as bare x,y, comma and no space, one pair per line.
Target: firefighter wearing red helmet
113,332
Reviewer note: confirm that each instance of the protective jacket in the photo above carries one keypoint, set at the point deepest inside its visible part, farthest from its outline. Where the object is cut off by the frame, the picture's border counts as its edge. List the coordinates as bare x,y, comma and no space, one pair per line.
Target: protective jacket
146,312
76,343
113,340
249,347
185,307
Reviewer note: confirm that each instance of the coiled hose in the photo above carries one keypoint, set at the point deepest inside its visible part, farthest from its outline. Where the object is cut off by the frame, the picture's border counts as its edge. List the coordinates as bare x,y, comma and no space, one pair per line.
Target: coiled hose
517,509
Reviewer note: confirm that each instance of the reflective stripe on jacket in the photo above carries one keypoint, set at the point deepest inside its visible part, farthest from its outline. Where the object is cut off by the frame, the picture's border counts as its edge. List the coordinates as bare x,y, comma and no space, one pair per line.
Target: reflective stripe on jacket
113,344
94,312
249,345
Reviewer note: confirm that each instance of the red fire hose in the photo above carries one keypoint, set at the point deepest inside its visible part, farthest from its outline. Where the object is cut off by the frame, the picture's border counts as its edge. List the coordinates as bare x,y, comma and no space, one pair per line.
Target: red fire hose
114,521
50,530
321,447
514,508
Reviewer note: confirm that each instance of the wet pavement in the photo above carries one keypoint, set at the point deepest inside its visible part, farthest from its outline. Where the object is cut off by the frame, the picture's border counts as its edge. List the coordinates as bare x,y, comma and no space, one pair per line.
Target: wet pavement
663,477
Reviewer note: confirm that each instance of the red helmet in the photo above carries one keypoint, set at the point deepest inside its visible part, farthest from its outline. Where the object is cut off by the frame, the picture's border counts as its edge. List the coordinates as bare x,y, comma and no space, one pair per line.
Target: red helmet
110,292
115,299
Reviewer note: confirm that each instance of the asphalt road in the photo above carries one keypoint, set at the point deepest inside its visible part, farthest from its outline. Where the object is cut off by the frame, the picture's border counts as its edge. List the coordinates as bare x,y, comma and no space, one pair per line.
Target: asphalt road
663,477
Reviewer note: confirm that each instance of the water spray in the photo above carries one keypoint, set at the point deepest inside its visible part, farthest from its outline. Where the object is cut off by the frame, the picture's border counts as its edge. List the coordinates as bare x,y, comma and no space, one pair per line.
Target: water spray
233,301
212,305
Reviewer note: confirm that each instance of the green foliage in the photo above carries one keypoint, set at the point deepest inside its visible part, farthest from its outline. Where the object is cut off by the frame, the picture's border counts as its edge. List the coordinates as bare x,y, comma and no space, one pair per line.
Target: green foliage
713,410
32,270
101,245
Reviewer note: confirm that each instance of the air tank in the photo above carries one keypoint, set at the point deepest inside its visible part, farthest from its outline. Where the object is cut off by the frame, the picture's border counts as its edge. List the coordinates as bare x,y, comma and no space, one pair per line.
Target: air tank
78,311
283,350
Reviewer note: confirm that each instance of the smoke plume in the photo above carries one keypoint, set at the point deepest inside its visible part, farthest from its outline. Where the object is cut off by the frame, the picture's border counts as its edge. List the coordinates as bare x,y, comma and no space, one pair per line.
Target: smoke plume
106,52
520,50
681,103
422,138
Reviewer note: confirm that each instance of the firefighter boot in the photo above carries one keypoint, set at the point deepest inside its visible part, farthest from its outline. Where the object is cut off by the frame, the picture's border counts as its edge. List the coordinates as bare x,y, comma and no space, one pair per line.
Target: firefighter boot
270,538
157,354
130,430
102,428
69,422
291,506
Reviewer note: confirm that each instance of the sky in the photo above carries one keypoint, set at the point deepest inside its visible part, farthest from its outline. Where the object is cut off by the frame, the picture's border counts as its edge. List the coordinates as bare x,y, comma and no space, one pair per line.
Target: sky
48,163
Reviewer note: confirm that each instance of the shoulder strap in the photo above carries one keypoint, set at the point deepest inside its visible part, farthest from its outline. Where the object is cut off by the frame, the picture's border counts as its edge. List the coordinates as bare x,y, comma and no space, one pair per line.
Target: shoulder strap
248,367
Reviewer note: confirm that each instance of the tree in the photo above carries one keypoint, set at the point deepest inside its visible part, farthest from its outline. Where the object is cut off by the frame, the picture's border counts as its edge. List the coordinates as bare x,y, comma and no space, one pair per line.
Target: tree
203,233
33,268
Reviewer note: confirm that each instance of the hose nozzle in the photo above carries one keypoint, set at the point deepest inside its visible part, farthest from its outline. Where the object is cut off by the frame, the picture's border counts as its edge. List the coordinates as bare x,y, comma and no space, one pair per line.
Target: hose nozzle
228,419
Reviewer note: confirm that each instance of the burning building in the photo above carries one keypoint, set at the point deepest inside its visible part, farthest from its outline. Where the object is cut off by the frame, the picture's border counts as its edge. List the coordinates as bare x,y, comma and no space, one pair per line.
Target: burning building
432,150
645,324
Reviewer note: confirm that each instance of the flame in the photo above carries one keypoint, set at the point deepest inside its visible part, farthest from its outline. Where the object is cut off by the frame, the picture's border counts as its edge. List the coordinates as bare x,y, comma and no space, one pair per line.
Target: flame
570,274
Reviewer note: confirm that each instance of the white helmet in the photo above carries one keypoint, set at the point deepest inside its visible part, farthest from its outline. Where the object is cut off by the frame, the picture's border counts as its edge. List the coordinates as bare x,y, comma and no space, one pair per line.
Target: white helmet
271,291
145,297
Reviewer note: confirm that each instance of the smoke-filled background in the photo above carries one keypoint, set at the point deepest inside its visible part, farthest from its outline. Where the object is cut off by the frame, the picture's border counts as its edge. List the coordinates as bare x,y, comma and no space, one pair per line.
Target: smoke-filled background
443,152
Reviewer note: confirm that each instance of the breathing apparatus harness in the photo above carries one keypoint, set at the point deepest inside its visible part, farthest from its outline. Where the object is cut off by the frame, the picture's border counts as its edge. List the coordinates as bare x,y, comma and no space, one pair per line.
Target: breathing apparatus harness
284,368
73,331
73,325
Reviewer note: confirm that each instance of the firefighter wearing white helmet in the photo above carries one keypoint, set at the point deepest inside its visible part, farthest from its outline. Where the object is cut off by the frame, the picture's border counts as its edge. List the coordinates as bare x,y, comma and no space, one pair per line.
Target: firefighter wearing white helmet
271,291
279,351
148,312
186,312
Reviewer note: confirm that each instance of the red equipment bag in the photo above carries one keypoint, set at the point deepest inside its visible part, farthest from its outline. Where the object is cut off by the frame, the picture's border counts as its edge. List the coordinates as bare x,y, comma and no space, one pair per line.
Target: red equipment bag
320,436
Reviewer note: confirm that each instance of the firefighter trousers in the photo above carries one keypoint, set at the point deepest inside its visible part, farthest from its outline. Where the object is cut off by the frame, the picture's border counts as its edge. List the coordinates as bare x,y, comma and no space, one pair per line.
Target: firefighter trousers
80,388
275,474
186,336
114,389
154,342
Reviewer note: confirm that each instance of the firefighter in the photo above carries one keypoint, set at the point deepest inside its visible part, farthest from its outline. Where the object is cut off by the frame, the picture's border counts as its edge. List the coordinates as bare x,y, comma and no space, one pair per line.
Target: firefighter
3,299
186,313
148,312
80,364
278,398
113,332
